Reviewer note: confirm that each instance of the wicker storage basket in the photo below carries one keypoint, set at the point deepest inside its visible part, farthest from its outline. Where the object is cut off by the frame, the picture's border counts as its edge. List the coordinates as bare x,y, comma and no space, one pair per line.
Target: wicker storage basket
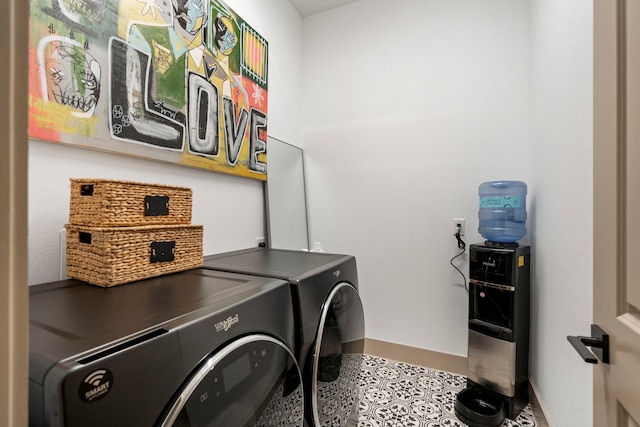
111,203
116,255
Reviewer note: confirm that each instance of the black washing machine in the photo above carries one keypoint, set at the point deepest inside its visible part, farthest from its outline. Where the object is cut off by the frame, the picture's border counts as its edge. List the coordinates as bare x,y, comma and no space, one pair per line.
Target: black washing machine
330,323
197,348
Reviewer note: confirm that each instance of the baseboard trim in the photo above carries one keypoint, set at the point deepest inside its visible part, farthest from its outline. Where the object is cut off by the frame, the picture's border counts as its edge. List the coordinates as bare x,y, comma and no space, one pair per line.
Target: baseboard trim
539,411
416,356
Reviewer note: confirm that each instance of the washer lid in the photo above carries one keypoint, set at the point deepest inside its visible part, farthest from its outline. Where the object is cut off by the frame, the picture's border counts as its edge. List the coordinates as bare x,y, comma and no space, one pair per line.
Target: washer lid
280,263
70,319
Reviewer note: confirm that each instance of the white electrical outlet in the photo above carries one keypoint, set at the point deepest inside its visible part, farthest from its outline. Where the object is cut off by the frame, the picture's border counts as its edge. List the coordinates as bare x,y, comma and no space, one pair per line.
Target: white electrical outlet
458,223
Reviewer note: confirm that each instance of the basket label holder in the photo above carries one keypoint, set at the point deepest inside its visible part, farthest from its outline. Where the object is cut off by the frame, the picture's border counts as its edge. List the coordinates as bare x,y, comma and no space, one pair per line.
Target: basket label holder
163,251
86,190
84,237
156,205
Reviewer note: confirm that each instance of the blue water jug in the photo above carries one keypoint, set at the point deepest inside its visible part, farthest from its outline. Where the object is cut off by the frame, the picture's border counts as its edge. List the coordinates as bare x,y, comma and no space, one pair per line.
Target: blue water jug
503,211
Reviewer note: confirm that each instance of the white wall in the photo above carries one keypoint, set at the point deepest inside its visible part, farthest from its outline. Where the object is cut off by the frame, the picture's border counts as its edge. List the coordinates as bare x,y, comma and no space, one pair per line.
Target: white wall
230,208
408,107
562,219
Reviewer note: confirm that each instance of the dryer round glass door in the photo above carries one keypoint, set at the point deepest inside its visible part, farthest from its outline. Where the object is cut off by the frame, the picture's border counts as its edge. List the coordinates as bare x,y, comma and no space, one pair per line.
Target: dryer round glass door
254,381
337,358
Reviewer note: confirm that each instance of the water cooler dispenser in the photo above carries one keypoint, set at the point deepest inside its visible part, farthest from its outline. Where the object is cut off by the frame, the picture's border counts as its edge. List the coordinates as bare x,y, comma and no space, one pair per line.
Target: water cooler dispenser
499,312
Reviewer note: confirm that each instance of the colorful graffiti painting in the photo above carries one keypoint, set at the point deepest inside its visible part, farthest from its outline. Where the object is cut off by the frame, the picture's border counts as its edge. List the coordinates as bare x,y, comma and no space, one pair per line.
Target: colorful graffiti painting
181,81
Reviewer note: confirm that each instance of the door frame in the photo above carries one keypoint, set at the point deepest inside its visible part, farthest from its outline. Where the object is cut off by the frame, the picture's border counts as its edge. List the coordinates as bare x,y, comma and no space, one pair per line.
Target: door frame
14,296
615,98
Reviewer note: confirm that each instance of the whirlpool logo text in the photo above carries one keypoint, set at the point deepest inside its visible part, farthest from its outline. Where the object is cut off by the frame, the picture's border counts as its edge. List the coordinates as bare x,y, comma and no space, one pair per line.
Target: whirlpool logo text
227,323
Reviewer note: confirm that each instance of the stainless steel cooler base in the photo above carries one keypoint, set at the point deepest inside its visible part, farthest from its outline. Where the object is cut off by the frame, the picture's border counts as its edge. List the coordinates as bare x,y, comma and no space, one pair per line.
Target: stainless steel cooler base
492,363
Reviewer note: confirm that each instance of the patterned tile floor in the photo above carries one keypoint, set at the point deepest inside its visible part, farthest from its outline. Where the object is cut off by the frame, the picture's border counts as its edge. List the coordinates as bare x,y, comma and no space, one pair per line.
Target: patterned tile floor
396,394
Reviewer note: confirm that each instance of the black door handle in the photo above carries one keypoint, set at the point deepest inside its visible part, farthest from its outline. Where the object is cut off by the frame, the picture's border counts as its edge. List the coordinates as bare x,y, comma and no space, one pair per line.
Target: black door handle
599,343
